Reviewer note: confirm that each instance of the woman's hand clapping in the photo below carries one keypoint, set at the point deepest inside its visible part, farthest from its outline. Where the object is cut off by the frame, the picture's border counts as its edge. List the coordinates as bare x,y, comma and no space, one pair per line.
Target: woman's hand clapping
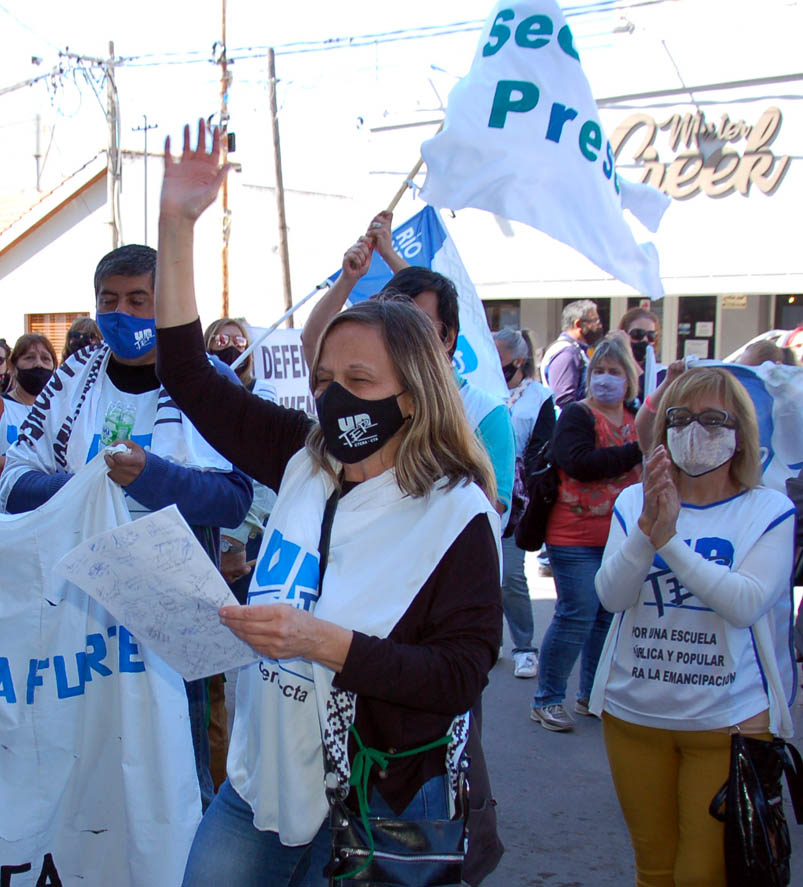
661,502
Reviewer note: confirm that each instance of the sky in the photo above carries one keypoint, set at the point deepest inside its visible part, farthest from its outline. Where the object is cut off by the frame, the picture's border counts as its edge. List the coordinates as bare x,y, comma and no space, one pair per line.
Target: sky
331,102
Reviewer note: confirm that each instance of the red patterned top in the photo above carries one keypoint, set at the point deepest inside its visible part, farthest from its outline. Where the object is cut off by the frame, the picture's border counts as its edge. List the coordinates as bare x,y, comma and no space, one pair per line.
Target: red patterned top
582,514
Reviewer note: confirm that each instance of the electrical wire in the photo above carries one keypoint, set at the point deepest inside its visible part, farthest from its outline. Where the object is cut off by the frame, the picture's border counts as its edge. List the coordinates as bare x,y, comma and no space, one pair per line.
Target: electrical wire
27,27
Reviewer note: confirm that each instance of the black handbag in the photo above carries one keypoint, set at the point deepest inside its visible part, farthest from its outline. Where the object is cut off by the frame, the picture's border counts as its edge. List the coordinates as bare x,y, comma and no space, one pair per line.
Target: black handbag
395,852
542,489
750,803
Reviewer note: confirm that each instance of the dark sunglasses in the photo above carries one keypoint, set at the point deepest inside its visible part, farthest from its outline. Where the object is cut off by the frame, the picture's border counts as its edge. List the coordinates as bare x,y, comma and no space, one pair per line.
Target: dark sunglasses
81,340
680,417
637,334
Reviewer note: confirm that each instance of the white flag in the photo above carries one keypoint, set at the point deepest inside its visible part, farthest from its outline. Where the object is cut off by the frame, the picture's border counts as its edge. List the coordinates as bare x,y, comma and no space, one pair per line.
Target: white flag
523,139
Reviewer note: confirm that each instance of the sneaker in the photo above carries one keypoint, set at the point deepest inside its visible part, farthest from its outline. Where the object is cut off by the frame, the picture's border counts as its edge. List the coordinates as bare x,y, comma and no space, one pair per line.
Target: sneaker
553,717
581,708
525,664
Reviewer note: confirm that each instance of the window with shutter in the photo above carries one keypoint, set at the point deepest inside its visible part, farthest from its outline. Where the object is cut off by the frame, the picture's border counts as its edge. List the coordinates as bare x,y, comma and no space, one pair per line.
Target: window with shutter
54,326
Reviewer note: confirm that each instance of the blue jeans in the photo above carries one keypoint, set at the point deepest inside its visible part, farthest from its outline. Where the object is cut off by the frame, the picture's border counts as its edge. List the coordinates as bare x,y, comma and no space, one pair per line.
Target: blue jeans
197,699
230,851
579,624
516,596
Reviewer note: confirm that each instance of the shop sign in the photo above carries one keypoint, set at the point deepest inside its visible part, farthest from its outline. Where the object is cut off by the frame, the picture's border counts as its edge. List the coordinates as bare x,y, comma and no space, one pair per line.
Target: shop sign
706,157
734,300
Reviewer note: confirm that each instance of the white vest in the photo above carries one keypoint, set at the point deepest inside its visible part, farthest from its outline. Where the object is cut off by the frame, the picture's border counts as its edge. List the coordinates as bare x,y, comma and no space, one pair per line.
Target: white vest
384,546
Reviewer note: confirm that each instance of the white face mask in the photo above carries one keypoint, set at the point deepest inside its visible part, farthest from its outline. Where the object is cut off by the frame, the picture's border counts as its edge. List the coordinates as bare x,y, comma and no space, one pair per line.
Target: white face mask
696,449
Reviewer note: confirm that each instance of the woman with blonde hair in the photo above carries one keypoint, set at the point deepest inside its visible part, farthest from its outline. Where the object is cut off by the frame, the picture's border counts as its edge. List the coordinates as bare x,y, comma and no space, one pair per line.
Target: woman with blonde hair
227,338
697,570
375,600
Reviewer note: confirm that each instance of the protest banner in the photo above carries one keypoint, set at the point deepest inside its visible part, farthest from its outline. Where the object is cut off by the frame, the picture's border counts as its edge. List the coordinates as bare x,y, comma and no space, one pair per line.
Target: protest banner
423,240
279,361
97,771
523,139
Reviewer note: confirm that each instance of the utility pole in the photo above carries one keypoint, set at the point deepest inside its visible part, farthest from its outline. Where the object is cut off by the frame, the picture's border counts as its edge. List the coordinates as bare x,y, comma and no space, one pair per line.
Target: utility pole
225,83
277,163
144,130
113,151
38,154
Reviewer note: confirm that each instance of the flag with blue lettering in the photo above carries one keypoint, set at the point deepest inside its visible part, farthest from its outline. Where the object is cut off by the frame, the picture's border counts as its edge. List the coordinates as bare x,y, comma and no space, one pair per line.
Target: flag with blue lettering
423,240
523,139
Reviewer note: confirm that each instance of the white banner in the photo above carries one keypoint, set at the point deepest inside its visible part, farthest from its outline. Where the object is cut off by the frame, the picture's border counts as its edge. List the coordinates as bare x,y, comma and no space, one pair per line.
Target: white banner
97,772
279,360
523,139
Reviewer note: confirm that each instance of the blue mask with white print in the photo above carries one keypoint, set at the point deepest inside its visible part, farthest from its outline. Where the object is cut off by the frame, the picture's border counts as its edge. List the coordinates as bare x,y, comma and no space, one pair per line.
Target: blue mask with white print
128,337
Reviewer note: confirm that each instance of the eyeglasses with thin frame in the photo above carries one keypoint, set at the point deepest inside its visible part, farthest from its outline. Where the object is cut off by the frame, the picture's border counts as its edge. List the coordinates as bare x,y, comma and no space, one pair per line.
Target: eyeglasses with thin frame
680,417
637,334
222,340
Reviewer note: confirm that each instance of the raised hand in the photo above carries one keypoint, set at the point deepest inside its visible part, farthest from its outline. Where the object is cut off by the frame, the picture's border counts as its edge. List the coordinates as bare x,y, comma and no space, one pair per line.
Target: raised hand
379,232
357,259
191,183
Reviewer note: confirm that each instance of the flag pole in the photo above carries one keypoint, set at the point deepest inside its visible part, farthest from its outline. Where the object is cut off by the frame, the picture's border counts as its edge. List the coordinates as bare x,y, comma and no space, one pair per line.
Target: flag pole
408,182
293,308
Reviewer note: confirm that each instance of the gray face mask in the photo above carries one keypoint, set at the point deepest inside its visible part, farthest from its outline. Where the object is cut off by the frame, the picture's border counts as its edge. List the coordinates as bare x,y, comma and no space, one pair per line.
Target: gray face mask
697,450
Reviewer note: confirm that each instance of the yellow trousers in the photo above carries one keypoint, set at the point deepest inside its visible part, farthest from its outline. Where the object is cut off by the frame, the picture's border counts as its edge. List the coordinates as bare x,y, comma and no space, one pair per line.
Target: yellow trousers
665,780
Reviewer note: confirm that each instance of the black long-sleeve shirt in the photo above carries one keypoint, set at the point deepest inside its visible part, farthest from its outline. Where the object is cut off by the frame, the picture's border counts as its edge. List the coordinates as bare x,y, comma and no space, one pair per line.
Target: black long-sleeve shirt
434,663
574,448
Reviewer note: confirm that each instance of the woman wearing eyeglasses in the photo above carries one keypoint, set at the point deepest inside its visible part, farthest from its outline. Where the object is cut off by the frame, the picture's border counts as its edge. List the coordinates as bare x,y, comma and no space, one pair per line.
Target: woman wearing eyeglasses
643,328
227,338
696,569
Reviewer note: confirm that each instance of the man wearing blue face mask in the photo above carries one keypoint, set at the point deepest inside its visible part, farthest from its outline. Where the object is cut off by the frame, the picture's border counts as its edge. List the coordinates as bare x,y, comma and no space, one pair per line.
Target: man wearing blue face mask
110,393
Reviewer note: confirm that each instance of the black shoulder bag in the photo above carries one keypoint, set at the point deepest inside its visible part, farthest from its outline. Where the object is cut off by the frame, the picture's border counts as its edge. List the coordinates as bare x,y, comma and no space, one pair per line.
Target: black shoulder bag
542,489
392,852
750,803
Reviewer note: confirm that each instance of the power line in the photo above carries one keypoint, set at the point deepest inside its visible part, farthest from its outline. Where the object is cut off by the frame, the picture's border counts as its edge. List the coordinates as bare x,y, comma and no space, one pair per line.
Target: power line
27,27
357,41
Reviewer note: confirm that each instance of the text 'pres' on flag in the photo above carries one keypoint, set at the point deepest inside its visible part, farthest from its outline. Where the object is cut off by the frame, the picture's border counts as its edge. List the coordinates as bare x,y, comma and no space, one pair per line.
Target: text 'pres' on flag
523,139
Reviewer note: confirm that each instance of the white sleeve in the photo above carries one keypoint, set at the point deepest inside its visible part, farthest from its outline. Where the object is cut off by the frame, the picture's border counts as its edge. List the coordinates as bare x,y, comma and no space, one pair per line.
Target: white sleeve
625,563
739,596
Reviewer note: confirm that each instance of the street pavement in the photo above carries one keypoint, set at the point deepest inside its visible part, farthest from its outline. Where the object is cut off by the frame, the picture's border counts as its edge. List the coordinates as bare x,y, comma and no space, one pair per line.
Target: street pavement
558,814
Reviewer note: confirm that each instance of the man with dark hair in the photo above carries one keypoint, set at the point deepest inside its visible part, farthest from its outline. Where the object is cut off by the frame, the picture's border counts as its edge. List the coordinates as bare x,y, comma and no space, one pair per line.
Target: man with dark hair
436,296
132,260
421,284
106,394
564,364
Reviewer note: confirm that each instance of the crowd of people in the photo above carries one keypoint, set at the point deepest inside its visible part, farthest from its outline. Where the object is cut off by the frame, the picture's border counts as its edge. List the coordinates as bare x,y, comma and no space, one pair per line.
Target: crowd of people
671,561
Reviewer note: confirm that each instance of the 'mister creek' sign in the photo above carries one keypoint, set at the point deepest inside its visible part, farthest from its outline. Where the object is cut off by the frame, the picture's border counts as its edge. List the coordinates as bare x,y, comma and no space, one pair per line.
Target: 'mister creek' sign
708,157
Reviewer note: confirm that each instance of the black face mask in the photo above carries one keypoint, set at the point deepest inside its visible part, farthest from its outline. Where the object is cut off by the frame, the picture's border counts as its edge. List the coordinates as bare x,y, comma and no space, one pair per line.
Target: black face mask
228,355
592,334
509,370
5,378
34,379
354,428
639,350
